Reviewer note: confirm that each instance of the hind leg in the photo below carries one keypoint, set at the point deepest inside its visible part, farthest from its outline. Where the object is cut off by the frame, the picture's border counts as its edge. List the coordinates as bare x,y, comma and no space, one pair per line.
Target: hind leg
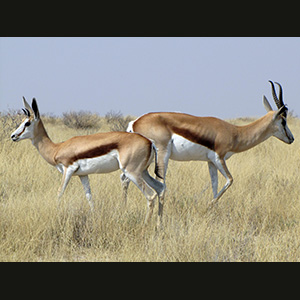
150,206
160,188
161,201
125,184
149,193
163,155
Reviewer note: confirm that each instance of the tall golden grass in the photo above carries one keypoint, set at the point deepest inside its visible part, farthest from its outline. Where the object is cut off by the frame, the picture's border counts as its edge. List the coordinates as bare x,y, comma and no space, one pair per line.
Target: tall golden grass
257,219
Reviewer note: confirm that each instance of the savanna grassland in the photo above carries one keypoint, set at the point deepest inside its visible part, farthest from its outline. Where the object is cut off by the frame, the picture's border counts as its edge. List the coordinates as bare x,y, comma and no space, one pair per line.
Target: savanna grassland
257,219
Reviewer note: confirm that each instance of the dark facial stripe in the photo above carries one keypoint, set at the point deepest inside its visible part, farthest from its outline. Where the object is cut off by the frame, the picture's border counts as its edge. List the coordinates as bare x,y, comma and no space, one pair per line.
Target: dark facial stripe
21,131
202,140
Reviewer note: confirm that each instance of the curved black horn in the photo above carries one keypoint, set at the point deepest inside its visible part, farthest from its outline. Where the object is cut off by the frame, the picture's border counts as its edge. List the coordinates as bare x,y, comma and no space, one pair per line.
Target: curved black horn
280,94
275,96
26,112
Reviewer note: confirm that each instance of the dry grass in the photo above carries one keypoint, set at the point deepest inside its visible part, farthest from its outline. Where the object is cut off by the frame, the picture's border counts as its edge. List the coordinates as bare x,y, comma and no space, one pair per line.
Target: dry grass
257,219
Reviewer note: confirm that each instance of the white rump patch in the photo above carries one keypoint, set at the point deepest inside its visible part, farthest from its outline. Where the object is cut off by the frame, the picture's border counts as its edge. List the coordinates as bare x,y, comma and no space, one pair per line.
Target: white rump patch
129,127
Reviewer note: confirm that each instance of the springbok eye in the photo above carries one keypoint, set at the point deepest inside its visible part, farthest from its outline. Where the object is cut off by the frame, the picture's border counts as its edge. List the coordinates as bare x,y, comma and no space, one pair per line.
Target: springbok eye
27,124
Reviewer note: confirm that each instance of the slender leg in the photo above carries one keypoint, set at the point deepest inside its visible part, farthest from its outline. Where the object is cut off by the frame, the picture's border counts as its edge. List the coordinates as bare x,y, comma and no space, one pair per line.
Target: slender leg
159,187
68,172
150,194
221,165
213,171
161,201
87,189
125,184
162,161
150,206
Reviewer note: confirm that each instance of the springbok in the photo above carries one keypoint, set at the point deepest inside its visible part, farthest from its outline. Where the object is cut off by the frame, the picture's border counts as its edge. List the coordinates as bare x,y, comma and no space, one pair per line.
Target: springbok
184,137
96,153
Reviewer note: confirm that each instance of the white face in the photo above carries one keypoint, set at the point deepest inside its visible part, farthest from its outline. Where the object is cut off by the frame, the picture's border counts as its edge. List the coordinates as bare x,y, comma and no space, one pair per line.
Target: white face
283,133
24,131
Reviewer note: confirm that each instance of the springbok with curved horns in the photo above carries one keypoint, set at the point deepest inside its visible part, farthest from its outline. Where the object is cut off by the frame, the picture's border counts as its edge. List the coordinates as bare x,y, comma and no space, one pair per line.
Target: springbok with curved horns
96,153
184,137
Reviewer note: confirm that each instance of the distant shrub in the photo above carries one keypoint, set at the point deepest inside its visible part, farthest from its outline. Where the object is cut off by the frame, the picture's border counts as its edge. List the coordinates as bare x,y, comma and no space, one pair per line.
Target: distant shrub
81,120
116,121
292,114
50,118
9,121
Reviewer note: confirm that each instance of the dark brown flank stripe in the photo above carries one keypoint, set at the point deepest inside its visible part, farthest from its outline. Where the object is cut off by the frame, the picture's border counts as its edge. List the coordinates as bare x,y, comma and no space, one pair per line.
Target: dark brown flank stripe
202,140
95,152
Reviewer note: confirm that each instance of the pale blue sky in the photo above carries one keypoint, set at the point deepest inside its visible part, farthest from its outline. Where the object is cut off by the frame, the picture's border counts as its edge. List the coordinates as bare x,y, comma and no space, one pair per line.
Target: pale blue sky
222,77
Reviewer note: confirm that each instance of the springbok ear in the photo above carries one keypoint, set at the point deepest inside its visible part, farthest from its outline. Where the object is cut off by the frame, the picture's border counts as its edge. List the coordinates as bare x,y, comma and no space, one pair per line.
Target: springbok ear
35,109
267,104
26,105
282,110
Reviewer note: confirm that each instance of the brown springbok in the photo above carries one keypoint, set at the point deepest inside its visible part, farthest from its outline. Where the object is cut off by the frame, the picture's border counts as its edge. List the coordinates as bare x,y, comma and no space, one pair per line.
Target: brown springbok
184,137
96,153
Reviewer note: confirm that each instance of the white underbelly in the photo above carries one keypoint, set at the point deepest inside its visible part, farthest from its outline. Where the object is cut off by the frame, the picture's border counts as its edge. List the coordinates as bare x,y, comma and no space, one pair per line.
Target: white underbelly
103,164
183,149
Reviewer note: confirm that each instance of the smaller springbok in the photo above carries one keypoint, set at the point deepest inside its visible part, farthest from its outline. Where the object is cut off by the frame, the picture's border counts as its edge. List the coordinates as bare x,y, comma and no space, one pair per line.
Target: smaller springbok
90,154
184,137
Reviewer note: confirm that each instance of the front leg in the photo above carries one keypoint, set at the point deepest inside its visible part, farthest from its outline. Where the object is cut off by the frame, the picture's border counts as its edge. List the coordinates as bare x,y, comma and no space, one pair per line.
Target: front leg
67,174
213,172
87,189
219,163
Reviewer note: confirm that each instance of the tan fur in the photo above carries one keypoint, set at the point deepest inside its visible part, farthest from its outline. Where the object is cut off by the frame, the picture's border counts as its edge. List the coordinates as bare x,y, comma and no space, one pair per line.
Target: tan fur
213,133
221,139
131,147
96,153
